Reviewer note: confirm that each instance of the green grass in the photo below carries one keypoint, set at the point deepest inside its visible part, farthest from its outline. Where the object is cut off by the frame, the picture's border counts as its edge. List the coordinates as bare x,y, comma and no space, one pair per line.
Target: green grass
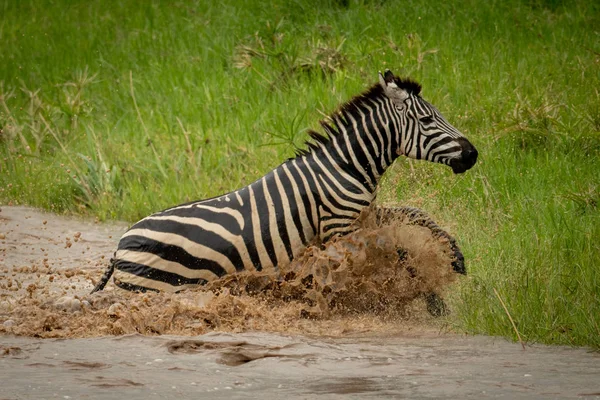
119,109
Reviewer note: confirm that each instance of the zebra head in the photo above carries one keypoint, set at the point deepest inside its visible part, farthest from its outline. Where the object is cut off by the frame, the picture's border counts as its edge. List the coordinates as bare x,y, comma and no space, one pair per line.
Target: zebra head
424,133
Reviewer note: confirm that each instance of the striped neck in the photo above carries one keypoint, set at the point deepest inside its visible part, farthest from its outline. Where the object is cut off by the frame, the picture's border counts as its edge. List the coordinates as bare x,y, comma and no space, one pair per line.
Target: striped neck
362,139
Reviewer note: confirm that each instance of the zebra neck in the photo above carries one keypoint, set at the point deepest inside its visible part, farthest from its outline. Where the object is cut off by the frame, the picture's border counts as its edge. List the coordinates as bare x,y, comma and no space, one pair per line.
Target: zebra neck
365,145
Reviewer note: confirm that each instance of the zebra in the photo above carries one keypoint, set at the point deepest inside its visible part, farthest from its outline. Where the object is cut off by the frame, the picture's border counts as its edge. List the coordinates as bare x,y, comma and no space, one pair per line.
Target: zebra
314,196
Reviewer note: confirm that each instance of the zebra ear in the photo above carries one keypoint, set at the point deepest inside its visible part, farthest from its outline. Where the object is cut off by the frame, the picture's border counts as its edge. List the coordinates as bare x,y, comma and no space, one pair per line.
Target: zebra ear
386,78
389,76
391,90
382,81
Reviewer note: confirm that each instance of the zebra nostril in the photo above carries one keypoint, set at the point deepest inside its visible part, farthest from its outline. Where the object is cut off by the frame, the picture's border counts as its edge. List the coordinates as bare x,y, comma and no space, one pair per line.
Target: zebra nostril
470,154
474,155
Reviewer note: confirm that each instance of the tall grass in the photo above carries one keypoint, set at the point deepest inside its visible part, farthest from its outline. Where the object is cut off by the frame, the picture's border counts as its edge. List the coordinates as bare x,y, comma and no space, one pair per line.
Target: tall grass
118,109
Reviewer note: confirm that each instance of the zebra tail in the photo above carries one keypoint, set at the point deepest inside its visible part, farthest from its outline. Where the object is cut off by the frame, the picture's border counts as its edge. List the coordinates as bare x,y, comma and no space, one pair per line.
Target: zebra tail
107,274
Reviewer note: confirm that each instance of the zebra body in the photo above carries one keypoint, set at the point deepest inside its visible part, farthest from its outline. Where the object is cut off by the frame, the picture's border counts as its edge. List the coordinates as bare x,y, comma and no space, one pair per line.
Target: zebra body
312,197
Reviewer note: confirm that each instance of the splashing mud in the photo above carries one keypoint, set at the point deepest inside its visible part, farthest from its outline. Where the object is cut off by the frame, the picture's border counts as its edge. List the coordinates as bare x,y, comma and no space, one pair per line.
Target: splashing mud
370,281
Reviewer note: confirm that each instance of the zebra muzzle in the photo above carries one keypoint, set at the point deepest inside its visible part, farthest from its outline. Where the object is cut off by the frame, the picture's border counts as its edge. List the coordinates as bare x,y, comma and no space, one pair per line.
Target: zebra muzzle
466,160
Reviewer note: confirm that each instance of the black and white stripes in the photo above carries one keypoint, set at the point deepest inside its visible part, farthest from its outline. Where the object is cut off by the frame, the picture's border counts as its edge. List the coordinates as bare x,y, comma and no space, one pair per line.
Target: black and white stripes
314,196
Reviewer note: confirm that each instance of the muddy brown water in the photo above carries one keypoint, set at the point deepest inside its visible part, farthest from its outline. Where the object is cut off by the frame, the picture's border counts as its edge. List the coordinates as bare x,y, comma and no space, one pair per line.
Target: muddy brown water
57,341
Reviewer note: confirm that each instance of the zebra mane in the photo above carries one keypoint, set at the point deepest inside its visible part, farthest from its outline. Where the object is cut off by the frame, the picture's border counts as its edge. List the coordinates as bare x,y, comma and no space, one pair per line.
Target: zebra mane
331,124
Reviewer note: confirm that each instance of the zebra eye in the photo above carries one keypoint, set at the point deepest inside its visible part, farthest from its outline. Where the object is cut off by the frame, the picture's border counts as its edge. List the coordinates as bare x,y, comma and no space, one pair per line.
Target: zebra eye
428,119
